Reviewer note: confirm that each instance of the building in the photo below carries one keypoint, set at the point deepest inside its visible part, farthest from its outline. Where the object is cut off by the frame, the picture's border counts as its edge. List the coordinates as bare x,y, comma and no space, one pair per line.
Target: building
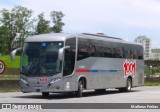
155,55
146,42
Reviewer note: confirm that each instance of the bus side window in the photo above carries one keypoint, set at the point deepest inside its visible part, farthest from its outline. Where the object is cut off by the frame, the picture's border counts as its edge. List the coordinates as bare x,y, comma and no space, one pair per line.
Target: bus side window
123,53
135,54
126,51
92,51
82,52
113,53
83,49
131,54
101,49
69,57
107,52
140,53
118,53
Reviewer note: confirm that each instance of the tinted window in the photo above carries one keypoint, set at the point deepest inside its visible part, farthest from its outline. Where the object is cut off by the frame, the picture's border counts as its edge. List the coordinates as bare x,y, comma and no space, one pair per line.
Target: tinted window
83,49
41,58
140,52
107,50
133,52
97,48
126,51
69,57
118,50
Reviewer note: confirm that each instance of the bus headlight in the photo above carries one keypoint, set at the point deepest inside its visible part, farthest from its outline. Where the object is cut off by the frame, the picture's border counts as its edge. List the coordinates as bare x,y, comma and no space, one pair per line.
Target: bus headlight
24,81
55,80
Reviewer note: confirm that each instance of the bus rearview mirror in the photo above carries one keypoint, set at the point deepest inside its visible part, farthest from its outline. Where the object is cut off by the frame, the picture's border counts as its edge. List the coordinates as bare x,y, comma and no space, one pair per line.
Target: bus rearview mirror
61,52
13,53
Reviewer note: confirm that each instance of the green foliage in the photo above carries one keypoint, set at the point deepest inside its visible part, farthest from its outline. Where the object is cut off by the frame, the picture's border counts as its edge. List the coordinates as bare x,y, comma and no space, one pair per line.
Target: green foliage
155,71
152,84
43,25
4,40
17,24
57,20
151,71
17,21
9,63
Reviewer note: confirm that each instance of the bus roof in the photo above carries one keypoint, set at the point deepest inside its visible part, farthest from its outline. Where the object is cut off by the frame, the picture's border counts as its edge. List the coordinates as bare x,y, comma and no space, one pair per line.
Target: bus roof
105,38
49,37
64,36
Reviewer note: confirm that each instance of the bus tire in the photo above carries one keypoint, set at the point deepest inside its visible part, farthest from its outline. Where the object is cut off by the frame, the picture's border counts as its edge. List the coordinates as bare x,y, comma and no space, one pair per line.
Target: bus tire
45,94
100,90
128,86
79,93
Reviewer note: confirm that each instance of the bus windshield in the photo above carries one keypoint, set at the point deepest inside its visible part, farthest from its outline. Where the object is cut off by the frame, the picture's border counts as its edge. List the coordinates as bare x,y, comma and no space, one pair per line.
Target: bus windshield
41,59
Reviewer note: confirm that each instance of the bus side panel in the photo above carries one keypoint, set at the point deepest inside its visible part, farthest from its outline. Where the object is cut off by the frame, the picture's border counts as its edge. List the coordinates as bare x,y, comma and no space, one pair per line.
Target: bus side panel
103,73
138,80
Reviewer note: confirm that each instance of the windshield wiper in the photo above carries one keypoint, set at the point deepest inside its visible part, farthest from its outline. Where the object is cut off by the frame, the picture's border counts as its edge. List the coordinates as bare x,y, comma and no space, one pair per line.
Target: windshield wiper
34,64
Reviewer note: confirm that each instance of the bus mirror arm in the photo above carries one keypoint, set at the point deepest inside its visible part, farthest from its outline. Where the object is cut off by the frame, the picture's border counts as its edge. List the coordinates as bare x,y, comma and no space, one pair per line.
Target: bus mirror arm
61,51
13,53
67,47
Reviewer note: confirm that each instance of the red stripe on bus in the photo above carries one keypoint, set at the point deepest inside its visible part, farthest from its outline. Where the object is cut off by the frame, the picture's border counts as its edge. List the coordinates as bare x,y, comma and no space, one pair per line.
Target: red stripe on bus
78,70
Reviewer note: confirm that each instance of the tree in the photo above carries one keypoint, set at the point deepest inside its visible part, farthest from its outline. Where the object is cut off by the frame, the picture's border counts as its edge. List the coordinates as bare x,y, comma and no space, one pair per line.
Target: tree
4,38
43,25
17,21
57,20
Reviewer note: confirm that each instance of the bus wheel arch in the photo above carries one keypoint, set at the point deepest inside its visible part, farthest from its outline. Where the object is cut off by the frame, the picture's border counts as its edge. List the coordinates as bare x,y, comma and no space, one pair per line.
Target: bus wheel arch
128,86
84,81
81,86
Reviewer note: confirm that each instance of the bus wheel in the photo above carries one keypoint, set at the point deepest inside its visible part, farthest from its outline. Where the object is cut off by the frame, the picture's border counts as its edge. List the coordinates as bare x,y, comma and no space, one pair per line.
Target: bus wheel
45,94
80,89
129,85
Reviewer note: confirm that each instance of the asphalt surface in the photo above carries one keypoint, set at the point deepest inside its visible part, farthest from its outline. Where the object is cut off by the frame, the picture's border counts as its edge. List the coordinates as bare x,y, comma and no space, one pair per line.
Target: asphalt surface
138,95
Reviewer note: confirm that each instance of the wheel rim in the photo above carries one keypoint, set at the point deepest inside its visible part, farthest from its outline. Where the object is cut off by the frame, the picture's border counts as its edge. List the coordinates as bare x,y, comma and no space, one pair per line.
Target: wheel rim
80,89
129,85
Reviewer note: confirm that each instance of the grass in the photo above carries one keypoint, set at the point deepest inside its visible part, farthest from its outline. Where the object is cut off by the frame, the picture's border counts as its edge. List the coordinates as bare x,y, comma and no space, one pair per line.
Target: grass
9,63
9,77
152,84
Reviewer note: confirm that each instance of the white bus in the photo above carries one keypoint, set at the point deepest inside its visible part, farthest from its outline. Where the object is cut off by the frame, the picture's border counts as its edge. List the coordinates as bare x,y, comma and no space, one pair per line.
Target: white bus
60,62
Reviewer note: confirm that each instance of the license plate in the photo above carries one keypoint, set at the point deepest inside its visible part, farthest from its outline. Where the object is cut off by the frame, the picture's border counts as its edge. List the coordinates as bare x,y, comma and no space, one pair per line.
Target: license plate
43,80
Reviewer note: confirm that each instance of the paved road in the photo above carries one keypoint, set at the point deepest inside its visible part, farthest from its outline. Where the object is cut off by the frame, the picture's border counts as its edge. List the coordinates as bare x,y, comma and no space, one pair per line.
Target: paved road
138,95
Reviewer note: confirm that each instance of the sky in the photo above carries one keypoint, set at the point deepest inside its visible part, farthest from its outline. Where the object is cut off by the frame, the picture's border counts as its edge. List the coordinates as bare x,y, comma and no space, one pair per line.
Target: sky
126,19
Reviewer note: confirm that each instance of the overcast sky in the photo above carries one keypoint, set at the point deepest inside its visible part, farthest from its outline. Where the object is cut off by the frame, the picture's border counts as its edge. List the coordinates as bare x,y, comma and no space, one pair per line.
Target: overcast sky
125,19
